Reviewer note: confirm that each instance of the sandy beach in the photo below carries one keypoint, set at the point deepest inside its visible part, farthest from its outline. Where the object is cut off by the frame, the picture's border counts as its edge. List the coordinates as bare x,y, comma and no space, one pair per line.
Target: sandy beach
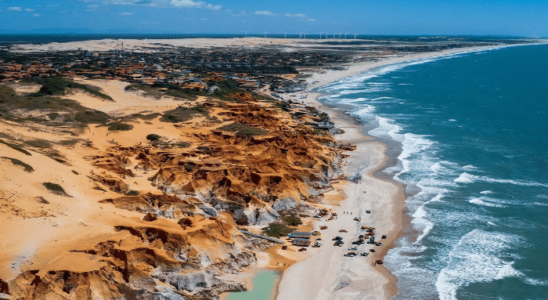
326,273
76,222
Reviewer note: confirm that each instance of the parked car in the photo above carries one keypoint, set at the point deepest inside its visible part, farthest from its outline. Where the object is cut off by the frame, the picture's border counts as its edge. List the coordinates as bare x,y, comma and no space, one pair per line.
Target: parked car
353,248
350,254
364,254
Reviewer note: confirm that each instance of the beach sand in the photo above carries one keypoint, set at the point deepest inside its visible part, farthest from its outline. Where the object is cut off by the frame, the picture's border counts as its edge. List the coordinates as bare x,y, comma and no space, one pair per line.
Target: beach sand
326,273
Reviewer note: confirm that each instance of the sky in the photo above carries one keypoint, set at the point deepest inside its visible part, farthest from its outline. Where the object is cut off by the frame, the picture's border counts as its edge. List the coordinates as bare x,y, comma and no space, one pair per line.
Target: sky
528,18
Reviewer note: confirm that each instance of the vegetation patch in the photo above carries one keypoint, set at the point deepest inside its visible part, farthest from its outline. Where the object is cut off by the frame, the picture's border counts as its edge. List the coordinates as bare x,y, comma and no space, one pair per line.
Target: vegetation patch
182,114
146,117
53,110
292,221
277,230
243,130
16,147
91,117
20,163
153,137
119,126
132,193
42,144
70,142
42,200
57,86
55,188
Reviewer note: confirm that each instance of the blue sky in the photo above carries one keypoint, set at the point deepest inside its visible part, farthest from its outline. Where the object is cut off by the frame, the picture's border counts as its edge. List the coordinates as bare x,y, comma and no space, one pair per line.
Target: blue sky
393,17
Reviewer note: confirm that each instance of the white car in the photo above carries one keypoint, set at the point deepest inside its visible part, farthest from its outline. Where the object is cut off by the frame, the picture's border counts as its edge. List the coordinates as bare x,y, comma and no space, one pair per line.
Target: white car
352,248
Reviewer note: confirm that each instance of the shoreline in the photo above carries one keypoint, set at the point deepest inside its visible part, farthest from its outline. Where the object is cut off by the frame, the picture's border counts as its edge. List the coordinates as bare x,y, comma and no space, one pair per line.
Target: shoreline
292,278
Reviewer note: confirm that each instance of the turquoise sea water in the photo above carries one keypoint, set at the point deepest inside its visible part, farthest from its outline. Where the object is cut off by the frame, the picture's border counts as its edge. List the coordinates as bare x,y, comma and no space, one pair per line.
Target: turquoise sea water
470,134
263,283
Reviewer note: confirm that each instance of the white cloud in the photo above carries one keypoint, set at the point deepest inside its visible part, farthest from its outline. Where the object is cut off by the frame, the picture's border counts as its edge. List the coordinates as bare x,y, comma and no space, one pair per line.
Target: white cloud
312,20
36,15
28,9
265,13
15,8
194,4
126,14
295,15
159,3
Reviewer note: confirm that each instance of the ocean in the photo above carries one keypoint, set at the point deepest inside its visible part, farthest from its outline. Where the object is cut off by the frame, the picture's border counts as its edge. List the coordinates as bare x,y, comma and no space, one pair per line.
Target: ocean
468,138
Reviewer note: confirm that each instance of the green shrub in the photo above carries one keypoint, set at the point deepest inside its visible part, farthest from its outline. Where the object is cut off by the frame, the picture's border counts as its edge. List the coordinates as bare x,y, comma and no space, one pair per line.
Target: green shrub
16,147
20,163
39,144
58,86
55,188
132,193
182,114
243,130
153,137
277,230
182,145
120,126
189,167
292,221
91,117
205,149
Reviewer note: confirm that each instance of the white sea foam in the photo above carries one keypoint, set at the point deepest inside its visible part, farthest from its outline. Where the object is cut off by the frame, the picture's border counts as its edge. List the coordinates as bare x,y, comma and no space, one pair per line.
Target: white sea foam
486,192
480,201
469,178
437,167
381,98
465,178
476,258
469,168
420,221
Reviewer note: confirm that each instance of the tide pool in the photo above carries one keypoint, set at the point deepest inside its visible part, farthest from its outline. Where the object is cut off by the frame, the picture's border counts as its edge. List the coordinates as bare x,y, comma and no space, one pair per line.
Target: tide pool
263,287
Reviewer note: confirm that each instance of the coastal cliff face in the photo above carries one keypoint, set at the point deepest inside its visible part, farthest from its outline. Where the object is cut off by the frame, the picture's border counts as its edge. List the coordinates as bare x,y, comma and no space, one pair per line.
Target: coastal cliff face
152,212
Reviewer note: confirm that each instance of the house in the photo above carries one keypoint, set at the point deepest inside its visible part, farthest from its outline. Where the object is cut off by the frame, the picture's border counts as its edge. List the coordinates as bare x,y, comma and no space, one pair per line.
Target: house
301,242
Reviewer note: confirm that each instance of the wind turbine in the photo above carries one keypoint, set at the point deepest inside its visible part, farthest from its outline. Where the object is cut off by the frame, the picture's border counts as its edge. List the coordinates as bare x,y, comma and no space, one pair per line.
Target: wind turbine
321,35
285,35
304,35
245,32
355,36
265,34
340,33
345,35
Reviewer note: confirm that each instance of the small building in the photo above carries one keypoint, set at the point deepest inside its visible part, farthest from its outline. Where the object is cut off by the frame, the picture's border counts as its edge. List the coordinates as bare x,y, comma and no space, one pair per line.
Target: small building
326,125
300,234
301,242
